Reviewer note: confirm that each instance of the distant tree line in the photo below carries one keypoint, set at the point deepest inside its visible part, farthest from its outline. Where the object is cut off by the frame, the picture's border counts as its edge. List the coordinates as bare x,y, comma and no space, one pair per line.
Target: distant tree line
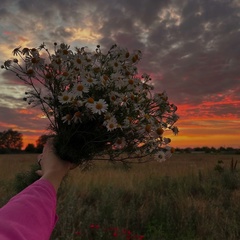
208,150
12,142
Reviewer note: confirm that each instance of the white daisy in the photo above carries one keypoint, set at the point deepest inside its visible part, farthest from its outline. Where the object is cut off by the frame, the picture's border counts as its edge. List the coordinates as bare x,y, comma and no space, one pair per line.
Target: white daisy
67,118
160,156
79,89
77,117
120,143
169,152
65,97
89,102
111,123
99,106
128,121
89,80
105,80
79,60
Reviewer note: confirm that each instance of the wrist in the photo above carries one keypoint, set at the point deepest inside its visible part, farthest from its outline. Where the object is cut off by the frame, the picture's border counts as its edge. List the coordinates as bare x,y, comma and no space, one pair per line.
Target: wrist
55,178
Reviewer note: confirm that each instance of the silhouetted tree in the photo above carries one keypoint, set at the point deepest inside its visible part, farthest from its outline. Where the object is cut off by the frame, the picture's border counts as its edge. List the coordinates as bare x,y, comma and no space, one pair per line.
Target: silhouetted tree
213,149
206,149
41,142
222,149
30,148
11,140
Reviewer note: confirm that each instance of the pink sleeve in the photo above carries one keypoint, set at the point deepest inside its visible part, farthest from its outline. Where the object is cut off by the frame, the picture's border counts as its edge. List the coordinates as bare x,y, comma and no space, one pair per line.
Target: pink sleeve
31,214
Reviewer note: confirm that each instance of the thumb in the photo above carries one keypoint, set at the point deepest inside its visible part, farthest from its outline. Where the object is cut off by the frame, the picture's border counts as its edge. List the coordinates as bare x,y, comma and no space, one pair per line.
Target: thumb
39,172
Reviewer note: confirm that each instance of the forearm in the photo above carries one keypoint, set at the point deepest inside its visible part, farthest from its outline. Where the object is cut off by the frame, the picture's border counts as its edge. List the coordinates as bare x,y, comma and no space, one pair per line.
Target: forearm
31,214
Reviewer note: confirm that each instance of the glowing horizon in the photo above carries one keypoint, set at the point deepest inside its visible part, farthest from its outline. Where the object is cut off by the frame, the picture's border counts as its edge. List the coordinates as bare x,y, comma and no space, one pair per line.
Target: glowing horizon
196,65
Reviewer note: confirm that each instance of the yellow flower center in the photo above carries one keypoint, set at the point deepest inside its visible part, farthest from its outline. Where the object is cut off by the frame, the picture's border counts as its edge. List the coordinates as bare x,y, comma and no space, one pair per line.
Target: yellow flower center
34,60
134,58
113,98
119,141
90,100
30,71
80,87
65,74
48,75
79,61
65,98
77,114
68,117
147,116
148,128
96,69
159,131
130,81
90,80
99,106
58,61
65,52
105,77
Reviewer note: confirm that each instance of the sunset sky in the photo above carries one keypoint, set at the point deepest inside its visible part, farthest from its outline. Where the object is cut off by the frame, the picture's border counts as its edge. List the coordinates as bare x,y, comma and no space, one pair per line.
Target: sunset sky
191,49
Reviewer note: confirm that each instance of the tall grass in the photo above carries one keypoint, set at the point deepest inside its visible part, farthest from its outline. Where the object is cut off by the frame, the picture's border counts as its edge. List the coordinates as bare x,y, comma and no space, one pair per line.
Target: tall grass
187,197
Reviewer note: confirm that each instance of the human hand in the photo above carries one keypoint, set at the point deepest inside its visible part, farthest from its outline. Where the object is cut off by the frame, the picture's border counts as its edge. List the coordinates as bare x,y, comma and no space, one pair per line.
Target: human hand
52,167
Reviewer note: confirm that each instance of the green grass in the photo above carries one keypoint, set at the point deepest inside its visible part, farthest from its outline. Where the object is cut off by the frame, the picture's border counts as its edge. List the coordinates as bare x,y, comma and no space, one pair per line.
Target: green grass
187,197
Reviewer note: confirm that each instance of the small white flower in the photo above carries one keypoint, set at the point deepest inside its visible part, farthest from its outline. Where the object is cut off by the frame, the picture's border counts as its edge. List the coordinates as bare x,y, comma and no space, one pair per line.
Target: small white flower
65,97
79,89
105,80
89,102
79,60
169,152
160,156
89,80
77,117
128,121
67,118
118,80
111,123
99,106
120,143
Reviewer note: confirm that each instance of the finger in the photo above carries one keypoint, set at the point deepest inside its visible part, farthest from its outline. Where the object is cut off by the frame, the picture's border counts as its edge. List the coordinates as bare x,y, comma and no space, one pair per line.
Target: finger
39,159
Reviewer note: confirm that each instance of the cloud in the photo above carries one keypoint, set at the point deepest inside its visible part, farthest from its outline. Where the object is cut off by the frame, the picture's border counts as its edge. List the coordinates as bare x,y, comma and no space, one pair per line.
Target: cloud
27,121
190,48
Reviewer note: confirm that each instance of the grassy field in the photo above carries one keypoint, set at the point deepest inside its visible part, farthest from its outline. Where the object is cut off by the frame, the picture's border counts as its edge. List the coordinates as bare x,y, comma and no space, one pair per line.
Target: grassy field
190,196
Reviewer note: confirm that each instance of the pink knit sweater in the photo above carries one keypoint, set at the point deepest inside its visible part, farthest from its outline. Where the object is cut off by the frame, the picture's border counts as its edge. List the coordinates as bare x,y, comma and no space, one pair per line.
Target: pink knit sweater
31,214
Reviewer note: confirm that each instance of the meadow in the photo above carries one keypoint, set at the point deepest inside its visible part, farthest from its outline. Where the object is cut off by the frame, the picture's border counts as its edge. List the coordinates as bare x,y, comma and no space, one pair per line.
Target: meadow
190,196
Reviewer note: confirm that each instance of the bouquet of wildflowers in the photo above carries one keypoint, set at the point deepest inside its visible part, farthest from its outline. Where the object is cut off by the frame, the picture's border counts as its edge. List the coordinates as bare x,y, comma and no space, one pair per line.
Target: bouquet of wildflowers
96,103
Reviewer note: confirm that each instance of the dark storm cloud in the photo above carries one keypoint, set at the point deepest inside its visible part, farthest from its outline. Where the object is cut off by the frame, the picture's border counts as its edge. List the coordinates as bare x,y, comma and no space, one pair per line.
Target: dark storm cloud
11,101
190,47
28,120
